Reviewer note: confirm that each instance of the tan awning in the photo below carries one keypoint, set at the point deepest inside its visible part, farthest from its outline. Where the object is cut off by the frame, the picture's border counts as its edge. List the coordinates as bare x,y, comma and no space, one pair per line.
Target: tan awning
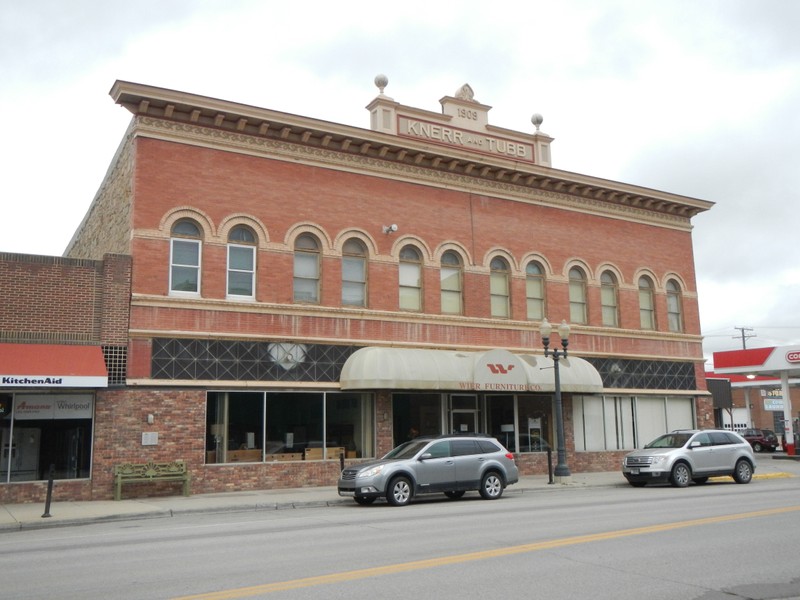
492,371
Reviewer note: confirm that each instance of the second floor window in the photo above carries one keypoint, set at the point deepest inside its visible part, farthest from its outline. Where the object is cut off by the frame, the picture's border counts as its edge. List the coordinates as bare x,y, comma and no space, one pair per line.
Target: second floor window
534,290
450,275
354,273
241,262
500,288
185,246
674,306
609,299
577,296
647,305
410,279
306,269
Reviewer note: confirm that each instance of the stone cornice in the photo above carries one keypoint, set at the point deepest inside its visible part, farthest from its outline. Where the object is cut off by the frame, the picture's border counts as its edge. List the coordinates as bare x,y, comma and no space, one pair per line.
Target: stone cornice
203,121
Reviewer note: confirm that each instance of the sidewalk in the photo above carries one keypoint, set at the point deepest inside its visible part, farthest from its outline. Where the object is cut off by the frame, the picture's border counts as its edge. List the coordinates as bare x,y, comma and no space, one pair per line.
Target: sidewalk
14,517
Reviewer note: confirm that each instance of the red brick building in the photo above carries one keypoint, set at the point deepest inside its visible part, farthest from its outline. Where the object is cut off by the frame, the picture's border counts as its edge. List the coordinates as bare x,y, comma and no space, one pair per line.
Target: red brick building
302,290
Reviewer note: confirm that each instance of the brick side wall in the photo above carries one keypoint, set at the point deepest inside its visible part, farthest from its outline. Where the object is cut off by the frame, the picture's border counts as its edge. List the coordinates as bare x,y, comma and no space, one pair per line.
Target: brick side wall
47,299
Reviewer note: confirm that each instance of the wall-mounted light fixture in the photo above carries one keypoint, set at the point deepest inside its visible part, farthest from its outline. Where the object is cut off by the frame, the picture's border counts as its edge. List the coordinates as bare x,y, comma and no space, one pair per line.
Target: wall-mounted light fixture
390,228
150,419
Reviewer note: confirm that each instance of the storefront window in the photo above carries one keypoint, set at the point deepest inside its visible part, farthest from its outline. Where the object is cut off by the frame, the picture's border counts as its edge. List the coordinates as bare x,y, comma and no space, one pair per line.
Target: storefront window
235,424
43,430
415,415
256,426
524,429
626,422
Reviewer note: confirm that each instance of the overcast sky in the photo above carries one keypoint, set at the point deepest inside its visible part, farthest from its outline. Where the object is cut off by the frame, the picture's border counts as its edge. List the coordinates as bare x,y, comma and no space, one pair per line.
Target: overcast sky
695,97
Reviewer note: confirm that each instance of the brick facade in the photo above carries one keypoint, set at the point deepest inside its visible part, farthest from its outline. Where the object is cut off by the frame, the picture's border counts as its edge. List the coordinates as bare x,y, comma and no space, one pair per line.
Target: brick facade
185,157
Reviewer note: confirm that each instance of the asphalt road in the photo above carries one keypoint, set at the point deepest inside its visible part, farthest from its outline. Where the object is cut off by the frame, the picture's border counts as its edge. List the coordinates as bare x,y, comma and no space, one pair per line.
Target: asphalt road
710,542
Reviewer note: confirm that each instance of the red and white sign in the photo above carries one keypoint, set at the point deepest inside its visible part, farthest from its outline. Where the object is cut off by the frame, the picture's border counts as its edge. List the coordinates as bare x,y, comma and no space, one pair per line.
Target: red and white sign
793,356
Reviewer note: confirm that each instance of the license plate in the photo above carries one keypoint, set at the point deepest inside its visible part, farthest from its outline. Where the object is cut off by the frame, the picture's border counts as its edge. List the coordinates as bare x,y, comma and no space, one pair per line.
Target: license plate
634,471
346,493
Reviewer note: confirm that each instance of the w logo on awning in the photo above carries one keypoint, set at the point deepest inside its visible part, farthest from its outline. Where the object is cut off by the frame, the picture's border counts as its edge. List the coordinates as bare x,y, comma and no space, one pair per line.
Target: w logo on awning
500,369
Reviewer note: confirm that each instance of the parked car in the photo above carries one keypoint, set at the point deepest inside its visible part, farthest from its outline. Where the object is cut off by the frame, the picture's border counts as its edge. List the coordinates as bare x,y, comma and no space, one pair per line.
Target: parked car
761,439
683,456
449,464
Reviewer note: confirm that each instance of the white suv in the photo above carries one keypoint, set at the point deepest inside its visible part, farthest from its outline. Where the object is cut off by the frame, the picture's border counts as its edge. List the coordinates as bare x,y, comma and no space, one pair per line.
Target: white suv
683,456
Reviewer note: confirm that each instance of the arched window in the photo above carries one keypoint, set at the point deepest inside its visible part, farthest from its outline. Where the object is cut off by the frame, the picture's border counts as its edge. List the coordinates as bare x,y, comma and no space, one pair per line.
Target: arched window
410,279
185,255
354,273
534,290
306,269
499,288
609,299
451,280
674,306
241,262
647,305
577,296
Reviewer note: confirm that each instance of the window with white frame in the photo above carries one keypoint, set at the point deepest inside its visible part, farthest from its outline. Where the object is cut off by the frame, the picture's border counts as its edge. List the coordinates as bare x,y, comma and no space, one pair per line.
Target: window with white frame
534,290
354,273
500,288
451,277
609,294
647,304
410,276
241,263
185,257
674,306
306,269
577,296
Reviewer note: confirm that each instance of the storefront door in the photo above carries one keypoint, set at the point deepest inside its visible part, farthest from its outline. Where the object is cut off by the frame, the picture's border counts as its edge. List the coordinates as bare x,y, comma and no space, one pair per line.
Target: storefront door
464,421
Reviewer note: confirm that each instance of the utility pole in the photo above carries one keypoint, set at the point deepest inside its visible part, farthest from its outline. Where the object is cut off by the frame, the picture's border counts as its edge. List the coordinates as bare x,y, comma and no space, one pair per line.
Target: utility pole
744,336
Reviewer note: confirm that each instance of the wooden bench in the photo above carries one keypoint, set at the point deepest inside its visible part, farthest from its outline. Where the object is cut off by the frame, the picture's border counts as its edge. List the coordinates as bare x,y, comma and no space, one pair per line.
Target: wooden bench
150,471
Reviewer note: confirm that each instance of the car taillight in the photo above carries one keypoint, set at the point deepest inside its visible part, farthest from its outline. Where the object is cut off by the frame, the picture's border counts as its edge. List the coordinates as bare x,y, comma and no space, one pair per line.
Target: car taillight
509,456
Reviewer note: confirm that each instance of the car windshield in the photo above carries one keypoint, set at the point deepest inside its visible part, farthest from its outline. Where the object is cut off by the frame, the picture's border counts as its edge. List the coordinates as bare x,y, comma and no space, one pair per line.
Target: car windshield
407,449
670,440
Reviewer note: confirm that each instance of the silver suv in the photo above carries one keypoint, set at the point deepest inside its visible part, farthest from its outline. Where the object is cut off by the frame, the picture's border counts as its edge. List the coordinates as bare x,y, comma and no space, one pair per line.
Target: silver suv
690,455
451,464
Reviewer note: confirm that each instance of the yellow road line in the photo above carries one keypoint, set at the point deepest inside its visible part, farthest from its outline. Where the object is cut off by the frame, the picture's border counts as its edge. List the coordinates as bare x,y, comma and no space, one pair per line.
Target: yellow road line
776,475
430,563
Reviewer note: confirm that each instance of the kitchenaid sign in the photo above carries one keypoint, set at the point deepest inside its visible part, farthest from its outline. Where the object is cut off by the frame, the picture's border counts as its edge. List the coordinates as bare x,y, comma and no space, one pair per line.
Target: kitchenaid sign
57,381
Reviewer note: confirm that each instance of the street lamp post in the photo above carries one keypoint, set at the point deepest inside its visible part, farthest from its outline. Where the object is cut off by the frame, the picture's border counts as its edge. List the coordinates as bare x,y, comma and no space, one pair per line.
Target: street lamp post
561,470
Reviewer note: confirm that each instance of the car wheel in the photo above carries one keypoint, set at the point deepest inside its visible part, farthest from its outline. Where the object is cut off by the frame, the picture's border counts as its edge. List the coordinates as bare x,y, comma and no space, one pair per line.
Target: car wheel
491,486
638,483
454,495
700,480
399,491
681,475
364,500
743,472
758,447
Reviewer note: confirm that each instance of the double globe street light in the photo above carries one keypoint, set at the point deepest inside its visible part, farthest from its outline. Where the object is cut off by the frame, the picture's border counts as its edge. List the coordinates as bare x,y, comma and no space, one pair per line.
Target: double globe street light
561,470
